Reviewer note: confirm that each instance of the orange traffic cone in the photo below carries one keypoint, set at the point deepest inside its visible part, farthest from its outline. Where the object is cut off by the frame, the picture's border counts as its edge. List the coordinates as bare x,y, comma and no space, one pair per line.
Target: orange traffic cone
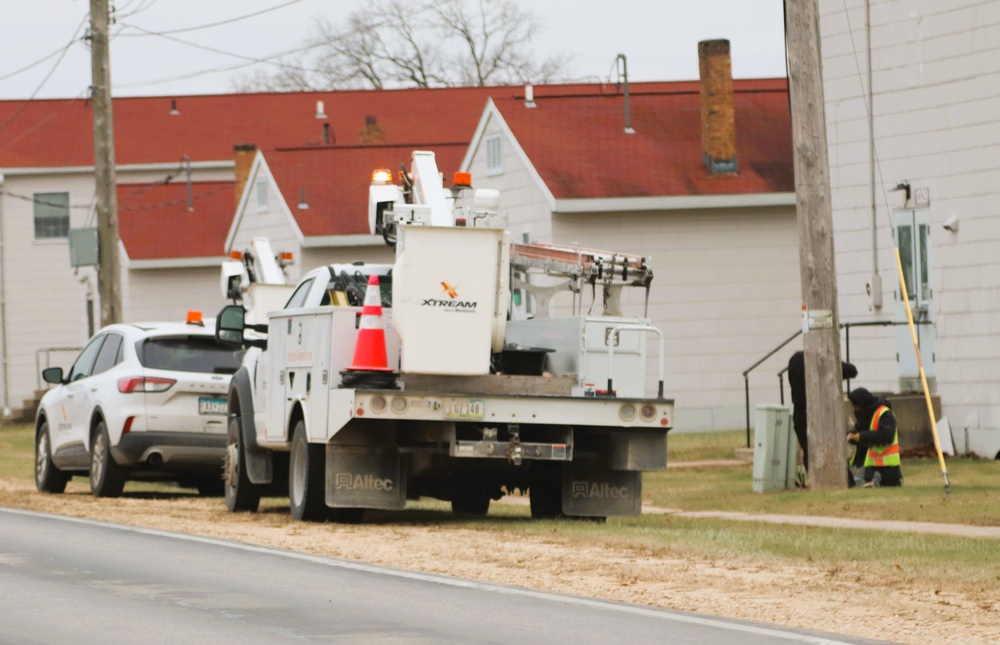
370,364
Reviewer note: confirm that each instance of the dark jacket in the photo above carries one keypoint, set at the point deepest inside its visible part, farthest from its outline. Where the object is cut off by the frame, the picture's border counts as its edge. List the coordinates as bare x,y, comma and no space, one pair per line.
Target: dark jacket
797,378
869,403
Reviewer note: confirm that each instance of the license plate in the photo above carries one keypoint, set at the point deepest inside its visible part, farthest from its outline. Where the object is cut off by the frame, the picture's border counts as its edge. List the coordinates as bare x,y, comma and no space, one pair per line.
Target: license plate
212,406
465,409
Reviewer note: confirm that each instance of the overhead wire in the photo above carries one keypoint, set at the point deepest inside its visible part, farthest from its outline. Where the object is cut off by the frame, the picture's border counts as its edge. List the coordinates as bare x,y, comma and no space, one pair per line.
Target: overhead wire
62,55
215,24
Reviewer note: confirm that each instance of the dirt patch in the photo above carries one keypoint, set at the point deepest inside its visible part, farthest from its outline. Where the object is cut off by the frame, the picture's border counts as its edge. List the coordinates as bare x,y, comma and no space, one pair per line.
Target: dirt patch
844,601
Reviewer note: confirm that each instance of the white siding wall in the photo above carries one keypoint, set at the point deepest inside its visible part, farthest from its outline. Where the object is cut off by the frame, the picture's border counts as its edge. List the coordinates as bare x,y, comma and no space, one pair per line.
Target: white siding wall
936,85
168,294
45,300
725,293
523,207
726,288
376,254
274,223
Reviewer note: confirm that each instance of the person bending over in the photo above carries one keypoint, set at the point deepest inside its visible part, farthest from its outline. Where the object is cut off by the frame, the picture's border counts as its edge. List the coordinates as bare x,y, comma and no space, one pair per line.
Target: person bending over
877,440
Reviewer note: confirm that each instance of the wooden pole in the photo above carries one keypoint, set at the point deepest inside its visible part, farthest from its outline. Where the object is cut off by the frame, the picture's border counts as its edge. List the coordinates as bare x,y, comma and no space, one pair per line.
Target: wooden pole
108,266
824,385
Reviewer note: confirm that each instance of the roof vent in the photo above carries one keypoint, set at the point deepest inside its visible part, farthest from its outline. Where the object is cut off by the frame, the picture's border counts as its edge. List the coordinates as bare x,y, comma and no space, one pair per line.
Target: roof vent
303,204
173,108
320,114
529,96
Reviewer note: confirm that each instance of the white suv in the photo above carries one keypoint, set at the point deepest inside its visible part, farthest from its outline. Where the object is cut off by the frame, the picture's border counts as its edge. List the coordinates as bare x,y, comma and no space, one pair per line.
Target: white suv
142,401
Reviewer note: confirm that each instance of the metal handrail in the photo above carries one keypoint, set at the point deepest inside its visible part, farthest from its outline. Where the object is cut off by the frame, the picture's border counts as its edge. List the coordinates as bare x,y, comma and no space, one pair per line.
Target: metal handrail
847,348
48,355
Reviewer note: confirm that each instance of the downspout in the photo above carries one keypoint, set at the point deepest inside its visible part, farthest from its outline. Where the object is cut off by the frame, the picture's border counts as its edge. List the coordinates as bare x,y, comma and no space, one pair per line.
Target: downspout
3,309
876,284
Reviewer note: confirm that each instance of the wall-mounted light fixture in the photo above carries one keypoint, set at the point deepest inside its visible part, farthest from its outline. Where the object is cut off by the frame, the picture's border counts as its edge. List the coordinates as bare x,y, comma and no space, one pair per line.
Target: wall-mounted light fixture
905,187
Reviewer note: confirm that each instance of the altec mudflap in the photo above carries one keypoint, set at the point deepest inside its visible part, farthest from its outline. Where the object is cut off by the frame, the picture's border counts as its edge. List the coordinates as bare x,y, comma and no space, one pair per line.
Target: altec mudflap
587,454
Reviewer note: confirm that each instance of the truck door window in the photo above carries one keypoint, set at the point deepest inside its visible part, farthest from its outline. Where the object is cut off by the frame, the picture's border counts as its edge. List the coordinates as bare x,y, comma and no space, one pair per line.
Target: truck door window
298,298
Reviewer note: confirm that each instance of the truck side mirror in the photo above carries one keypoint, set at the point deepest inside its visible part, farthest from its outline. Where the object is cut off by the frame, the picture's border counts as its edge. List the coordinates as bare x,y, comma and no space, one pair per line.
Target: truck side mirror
229,325
52,375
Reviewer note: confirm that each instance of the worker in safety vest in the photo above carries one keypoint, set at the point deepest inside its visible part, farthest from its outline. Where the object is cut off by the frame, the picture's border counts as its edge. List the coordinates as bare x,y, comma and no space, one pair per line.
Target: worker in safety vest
877,439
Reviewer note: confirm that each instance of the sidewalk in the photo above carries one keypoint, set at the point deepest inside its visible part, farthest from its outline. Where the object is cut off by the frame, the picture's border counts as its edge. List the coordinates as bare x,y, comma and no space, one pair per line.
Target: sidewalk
959,530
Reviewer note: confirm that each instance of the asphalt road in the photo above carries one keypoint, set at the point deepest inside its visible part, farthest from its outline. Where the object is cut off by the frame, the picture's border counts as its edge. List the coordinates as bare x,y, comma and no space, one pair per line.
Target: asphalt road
68,580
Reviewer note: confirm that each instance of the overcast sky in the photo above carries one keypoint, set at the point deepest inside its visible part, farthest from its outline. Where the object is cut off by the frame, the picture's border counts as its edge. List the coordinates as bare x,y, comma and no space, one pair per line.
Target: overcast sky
659,38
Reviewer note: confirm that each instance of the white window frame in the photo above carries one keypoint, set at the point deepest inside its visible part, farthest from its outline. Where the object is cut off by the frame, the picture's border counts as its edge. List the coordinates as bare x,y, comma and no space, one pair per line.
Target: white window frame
45,201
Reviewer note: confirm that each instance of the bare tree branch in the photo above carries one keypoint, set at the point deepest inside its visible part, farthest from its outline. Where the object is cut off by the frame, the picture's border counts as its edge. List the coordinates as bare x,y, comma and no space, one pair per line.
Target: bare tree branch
420,43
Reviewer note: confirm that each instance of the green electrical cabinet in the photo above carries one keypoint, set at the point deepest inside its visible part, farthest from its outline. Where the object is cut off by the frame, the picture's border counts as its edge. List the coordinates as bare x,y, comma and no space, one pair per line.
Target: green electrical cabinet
775,448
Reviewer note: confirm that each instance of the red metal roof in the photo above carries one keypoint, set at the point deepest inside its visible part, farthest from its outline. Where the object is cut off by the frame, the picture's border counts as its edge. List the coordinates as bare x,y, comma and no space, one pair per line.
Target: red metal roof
574,137
579,146
59,133
154,222
334,181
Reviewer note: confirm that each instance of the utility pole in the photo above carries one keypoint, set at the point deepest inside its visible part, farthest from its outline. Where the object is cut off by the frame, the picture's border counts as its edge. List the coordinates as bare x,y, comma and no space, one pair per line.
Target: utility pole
821,326
108,266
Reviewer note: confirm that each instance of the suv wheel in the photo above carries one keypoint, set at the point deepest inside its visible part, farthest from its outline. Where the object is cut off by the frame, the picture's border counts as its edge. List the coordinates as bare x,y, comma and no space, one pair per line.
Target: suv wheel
48,478
107,478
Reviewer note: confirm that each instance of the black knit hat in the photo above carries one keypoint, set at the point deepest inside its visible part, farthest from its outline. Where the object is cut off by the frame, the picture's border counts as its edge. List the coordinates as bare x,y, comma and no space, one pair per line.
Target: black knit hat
861,397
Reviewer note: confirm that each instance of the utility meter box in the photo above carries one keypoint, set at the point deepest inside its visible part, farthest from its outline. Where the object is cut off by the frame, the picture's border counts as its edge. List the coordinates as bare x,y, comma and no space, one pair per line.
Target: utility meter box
774,449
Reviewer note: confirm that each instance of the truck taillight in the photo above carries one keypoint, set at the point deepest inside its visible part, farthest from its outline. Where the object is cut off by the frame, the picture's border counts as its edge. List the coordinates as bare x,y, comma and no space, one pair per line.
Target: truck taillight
130,384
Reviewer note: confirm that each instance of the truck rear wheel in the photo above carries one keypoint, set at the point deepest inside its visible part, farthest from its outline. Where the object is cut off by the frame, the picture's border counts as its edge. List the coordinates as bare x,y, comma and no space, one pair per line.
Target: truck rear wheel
242,495
472,502
306,473
546,500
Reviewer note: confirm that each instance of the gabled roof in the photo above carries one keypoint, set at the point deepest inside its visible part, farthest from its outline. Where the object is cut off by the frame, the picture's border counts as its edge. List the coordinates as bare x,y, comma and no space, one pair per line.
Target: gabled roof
59,133
154,222
334,181
578,145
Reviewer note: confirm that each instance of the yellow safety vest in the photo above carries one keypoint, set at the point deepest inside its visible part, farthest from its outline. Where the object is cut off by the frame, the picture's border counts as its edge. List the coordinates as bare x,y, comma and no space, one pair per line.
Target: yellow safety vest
885,455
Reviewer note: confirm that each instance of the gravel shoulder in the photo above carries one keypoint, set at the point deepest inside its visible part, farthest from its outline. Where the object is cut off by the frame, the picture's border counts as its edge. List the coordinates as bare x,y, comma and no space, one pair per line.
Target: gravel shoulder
848,600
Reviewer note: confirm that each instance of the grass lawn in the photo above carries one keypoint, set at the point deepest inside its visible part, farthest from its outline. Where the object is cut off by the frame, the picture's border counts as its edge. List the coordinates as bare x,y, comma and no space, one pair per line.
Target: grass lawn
975,488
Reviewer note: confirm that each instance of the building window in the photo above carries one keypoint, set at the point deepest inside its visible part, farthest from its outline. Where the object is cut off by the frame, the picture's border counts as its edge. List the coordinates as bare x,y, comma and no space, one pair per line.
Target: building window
51,215
494,155
262,196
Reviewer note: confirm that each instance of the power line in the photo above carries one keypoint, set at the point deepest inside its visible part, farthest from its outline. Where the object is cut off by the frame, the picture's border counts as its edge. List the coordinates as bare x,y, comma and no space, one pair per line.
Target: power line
213,24
62,55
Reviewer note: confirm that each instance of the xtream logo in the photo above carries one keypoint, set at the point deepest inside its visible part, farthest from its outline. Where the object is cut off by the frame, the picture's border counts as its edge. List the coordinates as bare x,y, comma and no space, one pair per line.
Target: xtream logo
453,303
594,490
347,481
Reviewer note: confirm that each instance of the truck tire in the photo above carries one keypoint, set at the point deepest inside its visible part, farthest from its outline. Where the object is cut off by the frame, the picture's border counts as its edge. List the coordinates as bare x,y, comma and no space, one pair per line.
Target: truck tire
546,500
470,502
306,474
242,495
107,478
48,478
346,515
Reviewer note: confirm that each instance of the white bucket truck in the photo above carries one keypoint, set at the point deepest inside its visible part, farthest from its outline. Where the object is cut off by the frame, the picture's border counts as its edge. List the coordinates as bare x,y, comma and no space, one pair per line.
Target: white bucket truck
484,393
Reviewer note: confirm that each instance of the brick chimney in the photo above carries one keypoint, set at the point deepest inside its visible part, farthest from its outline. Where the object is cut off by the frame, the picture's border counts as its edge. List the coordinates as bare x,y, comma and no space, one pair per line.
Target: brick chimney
243,154
372,132
718,116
